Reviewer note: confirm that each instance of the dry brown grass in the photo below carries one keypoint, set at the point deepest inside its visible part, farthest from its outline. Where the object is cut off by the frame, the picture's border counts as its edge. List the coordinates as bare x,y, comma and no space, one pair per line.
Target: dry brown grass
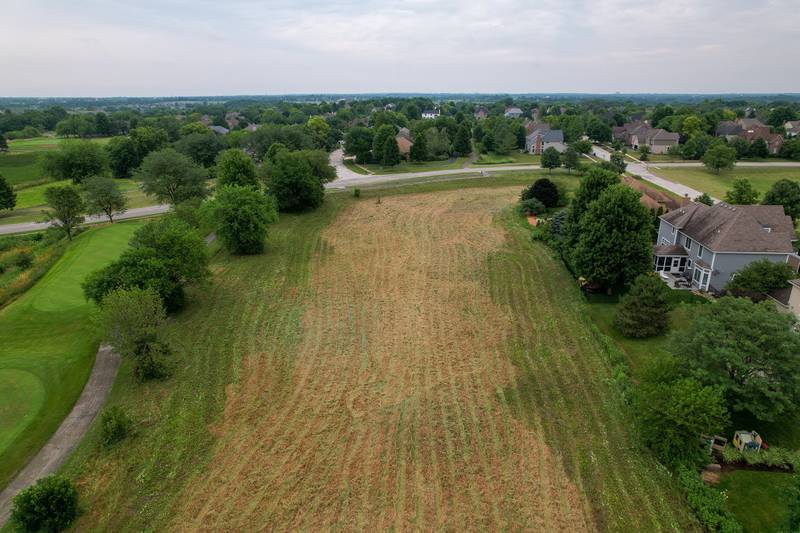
388,415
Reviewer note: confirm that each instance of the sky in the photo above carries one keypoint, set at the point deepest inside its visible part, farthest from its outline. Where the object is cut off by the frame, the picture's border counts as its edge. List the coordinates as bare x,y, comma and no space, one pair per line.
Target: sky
220,47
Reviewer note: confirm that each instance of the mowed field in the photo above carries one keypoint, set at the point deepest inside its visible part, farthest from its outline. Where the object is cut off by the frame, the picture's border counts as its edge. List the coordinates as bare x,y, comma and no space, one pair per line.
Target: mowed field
47,347
416,363
21,164
717,185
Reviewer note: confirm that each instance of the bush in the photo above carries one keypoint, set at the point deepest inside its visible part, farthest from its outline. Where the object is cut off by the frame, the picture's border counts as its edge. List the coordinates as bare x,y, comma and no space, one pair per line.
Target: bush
24,260
543,190
531,206
356,193
49,505
114,426
707,503
762,276
644,311
150,364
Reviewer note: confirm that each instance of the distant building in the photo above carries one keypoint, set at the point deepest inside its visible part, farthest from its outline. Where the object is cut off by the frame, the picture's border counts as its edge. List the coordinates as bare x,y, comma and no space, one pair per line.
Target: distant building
540,140
404,144
513,112
481,113
219,129
792,128
431,113
638,134
405,133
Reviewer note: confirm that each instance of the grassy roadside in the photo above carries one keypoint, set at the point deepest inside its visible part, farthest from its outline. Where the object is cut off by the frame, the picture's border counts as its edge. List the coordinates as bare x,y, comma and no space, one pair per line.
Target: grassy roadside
717,185
424,166
47,346
513,158
358,169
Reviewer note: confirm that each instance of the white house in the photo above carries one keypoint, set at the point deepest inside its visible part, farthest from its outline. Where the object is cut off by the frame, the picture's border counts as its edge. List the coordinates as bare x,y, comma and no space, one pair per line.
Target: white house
431,113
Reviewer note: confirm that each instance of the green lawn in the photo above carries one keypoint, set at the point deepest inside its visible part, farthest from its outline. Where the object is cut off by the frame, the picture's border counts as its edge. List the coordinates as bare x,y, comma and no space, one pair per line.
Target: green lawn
407,166
514,158
756,498
20,165
43,144
358,169
20,169
47,347
718,184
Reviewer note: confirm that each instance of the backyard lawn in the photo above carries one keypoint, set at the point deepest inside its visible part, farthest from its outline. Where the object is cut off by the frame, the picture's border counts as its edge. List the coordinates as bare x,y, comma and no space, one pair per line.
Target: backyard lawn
486,402
47,347
717,185
756,498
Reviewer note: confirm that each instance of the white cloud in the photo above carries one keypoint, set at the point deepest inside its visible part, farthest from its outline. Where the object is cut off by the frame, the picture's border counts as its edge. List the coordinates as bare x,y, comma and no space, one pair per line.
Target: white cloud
152,47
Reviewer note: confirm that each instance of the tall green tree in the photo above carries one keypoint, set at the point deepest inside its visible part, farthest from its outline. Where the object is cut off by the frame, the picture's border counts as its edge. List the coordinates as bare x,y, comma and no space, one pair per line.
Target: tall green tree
384,132
128,317
172,177
543,190
67,207
551,158
242,216
644,310
8,198
462,144
391,153
164,255
748,349
358,142
614,245
103,196
570,159
786,193
3,143
719,157
742,193
76,161
123,156
758,148
672,416
203,148
235,167
293,183
704,199
419,150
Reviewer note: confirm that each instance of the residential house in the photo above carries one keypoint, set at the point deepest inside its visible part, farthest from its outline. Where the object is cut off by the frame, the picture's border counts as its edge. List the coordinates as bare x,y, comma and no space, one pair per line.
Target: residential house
405,133
232,119
540,140
481,113
404,144
792,128
431,113
219,129
658,140
788,298
532,125
747,123
708,244
730,129
623,133
513,112
773,140
251,128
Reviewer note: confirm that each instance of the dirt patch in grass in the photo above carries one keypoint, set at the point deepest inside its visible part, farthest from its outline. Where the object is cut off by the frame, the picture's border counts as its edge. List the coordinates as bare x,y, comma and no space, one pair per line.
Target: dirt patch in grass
386,414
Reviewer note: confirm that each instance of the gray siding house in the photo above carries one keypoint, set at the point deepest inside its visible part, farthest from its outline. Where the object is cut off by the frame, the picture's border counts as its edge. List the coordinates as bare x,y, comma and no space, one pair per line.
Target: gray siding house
708,245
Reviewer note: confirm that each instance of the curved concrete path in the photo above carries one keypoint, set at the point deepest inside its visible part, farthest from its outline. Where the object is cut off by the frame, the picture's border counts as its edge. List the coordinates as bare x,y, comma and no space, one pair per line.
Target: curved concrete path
70,432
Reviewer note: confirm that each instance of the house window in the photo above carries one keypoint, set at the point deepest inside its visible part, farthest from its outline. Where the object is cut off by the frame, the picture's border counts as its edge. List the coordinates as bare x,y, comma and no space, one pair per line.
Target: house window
700,251
673,230
688,243
665,242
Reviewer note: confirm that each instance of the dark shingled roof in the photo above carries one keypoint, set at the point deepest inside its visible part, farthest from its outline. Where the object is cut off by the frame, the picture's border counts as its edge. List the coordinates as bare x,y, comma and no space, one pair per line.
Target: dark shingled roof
735,228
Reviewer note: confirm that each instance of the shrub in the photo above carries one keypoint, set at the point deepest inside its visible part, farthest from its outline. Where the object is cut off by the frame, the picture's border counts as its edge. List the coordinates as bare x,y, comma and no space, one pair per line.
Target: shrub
24,260
543,190
356,193
150,364
707,503
762,276
531,206
644,311
49,505
114,426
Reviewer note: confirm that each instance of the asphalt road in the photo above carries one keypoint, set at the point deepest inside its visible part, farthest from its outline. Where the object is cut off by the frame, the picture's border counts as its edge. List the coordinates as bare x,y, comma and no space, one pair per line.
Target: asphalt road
644,170
138,212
